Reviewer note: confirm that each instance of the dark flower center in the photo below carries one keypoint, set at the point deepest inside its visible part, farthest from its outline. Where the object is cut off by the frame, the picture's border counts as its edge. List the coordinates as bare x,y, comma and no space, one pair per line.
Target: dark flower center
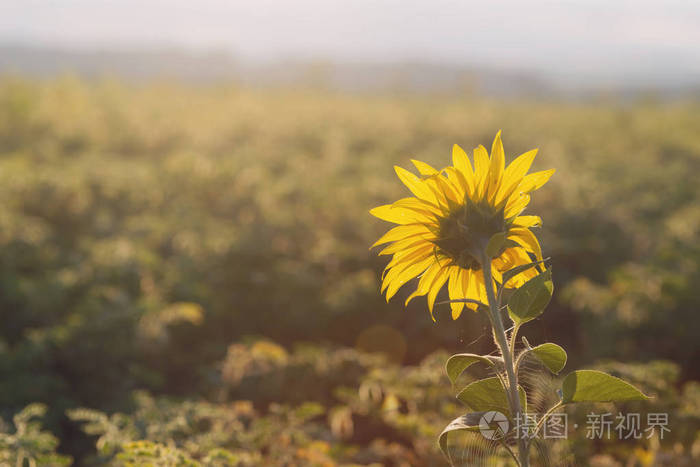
464,234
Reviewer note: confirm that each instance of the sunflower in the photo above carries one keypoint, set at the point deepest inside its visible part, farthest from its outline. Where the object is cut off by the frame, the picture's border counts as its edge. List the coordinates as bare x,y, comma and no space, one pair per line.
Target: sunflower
444,229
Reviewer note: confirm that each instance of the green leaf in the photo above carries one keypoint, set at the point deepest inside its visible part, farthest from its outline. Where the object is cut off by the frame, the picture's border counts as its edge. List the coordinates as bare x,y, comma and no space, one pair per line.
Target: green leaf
468,422
530,299
551,355
457,363
511,273
495,245
488,394
596,386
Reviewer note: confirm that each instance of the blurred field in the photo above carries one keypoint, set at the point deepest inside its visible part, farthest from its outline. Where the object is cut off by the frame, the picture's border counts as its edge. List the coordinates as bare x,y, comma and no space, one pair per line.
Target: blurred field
195,259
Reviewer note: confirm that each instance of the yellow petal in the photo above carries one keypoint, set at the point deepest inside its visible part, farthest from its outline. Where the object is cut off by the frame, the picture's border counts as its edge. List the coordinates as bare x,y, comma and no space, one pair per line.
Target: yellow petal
456,291
527,240
440,195
460,160
409,255
407,274
514,174
497,165
425,280
440,279
401,232
481,163
405,244
515,257
472,289
535,180
418,205
413,295
396,270
423,168
495,272
483,297
516,205
415,184
479,292
458,182
444,187
519,167
400,216
527,221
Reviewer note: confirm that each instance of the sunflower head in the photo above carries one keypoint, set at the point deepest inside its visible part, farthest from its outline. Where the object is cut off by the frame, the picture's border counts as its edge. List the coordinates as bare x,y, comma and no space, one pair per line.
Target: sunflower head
464,233
447,229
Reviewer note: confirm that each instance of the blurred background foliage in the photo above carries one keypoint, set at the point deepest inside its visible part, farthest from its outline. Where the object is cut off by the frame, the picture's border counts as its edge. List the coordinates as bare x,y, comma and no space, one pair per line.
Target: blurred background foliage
185,275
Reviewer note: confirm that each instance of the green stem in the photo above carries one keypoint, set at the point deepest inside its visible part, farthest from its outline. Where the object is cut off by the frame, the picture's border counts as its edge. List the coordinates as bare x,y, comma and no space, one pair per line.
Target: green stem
513,336
520,359
499,334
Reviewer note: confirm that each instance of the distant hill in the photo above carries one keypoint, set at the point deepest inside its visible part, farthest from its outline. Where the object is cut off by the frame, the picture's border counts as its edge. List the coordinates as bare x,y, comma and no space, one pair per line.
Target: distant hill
216,66
134,64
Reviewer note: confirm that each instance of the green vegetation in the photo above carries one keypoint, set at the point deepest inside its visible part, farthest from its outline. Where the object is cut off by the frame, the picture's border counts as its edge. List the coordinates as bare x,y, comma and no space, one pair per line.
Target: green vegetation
184,273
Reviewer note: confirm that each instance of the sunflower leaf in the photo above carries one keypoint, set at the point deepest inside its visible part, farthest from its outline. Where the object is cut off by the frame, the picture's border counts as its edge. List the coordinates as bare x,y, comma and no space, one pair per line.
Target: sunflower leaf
551,355
458,363
489,395
467,422
529,300
596,386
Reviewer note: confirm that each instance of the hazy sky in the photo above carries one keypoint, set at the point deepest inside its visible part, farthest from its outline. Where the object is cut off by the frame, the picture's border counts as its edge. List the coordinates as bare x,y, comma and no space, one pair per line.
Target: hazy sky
583,36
